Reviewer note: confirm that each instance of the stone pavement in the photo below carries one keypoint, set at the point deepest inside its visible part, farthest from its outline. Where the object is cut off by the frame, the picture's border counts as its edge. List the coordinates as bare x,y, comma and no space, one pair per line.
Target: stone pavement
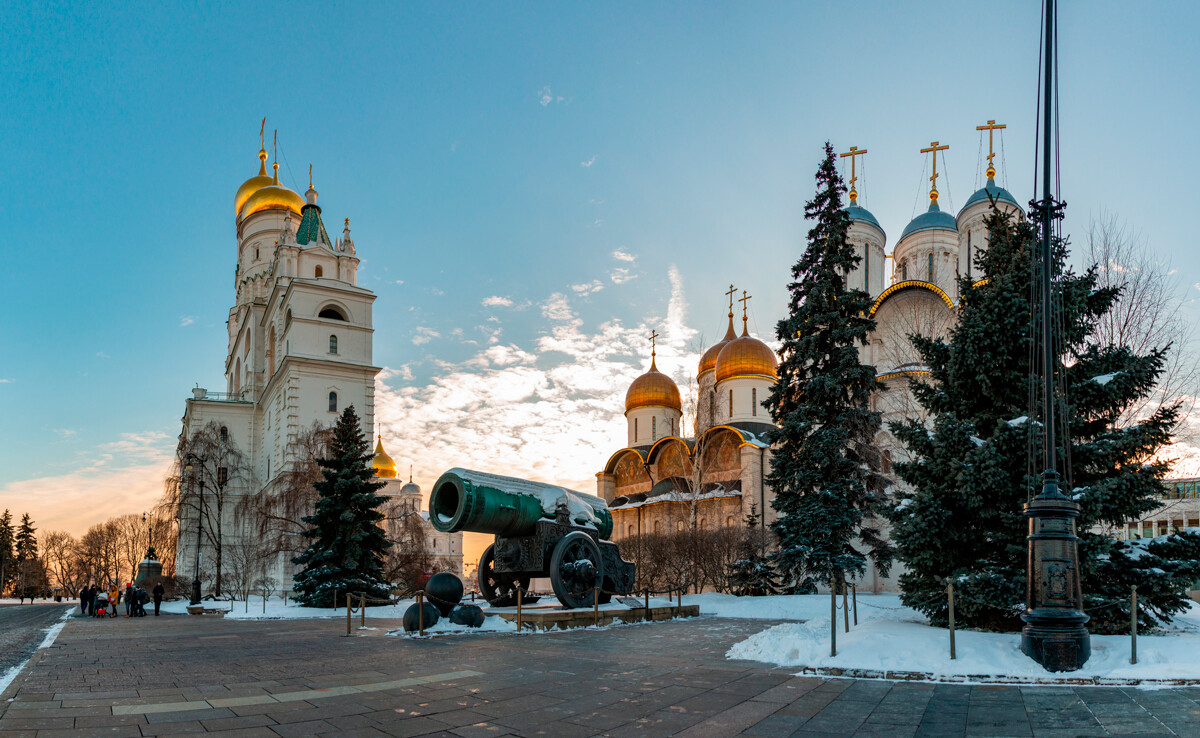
23,628
180,674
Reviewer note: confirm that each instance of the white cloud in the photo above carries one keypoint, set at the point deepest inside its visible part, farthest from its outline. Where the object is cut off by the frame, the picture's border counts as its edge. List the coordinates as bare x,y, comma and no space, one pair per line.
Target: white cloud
65,433
424,335
588,288
623,255
589,162
558,308
398,282
102,355
545,96
7,381
436,291
186,320
620,275
496,301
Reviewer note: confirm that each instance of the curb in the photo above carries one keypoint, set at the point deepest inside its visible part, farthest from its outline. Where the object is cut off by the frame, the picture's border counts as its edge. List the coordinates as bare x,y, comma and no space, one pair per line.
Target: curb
924,676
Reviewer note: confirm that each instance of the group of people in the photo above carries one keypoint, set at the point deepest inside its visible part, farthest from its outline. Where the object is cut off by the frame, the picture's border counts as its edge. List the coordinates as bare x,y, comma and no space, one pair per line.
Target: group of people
94,601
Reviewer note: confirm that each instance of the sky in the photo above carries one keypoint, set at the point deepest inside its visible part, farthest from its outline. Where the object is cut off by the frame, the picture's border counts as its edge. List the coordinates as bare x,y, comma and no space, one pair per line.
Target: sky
532,188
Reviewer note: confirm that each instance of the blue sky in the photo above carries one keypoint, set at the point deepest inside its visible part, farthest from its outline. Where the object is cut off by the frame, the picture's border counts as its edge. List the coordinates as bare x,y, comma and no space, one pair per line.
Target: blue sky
505,152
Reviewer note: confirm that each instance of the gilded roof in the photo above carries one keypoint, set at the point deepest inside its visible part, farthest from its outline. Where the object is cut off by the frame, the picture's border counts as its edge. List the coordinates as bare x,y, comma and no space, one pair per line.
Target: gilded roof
653,389
746,356
385,467
708,361
252,185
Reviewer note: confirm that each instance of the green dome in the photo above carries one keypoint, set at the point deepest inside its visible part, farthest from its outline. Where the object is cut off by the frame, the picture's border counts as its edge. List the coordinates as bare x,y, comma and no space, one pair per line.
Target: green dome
931,220
989,193
862,215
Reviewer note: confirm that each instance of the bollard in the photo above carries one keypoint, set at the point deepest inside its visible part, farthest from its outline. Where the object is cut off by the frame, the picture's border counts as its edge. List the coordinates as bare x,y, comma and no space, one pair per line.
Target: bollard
950,592
421,613
832,619
596,607
362,606
678,601
265,603
519,591
647,604
347,614
854,594
845,609
1133,626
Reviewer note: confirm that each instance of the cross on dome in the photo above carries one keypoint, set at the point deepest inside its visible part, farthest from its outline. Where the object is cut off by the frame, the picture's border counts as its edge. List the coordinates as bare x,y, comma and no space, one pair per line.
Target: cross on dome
853,153
745,320
991,128
934,147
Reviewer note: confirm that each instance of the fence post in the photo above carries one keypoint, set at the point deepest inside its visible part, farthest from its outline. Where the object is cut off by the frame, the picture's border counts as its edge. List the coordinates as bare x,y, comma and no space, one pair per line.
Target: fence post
854,594
519,608
845,609
832,618
1133,626
347,613
596,607
264,594
950,593
678,601
362,606
647,604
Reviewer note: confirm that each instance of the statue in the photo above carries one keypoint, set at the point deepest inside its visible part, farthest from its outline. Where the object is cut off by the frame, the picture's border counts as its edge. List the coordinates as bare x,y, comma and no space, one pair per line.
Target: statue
541,531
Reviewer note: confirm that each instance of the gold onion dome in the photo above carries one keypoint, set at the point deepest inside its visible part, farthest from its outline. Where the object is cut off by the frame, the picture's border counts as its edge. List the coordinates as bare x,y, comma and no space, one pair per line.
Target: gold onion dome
746,356
653,389
272,197
254,184
708,361
385,467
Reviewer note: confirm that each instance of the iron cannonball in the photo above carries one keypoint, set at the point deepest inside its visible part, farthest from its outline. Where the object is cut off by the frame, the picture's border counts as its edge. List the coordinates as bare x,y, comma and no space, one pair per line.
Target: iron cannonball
410,617
445,591
468,615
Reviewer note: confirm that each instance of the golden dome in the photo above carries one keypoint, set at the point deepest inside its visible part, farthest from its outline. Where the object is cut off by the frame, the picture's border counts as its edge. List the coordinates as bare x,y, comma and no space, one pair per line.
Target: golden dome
385,468
653,389
272,197
252,185
746,356
708,361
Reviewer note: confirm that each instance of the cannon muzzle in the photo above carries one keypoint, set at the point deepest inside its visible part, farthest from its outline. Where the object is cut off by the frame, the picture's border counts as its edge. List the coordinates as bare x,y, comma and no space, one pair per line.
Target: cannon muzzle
506,506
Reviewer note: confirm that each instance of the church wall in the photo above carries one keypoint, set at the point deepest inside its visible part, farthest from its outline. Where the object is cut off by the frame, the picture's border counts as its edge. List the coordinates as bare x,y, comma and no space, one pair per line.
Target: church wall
748,396
706,407
868,243
648,424
912,258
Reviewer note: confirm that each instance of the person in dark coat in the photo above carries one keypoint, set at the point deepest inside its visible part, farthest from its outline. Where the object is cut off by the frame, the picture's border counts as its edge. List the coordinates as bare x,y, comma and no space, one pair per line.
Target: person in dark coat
89,592
158,592
128,598
83,600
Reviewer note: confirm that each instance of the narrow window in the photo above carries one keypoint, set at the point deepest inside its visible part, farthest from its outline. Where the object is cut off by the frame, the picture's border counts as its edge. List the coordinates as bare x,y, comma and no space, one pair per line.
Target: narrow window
222,476
333,344
904,271
729,521
317,272
867,267
635,430
679,526
630,533
654,429
968,254
930,266
754,401
887,462
731,403
333,402
656,522
287,323
224,434
703,523
256,254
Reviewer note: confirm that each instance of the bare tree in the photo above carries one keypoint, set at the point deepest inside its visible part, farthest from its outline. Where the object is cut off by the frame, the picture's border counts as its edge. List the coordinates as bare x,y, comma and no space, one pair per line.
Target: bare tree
62,562
278,512
1148,315
409,558
245,557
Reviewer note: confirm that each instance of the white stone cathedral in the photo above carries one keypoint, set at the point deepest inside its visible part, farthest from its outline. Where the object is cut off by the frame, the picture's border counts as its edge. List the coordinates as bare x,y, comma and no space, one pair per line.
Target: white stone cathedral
299,353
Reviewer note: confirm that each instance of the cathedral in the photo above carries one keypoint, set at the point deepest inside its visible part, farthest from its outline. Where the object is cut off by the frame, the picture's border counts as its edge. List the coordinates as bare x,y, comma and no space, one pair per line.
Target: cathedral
299,353
665,479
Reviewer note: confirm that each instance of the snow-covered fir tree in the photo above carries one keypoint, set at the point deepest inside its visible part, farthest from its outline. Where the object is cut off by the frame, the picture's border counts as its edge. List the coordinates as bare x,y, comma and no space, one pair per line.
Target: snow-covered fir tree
347,545
753,574
973,471
825,467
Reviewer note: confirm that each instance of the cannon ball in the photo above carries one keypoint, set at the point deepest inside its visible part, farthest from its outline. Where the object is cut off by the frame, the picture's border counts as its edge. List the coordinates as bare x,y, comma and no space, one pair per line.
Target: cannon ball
468,615
411,616
445,591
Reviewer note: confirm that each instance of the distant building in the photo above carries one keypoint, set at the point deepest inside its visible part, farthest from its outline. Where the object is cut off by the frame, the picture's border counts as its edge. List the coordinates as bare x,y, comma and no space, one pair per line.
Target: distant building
407,524
1179,508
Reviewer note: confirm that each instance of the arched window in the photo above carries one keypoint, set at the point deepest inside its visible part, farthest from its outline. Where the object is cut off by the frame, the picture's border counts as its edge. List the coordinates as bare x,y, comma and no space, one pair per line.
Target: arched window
630,529
968,254
656,526
271,351
904,271
331,313
866,267
318,272
703,523
679,526
635,430
333,402
731,403
224,434
930,266
729,521
333,344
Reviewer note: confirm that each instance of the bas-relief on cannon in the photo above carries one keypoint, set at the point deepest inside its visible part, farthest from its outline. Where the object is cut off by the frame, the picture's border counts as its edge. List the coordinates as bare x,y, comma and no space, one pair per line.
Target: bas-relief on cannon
541,531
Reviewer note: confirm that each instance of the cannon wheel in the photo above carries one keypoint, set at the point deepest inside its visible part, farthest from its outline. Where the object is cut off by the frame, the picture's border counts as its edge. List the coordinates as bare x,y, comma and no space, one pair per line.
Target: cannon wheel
575,589
499,590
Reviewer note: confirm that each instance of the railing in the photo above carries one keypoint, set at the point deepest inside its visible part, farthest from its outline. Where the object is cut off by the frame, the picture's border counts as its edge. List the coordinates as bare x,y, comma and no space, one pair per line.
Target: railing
202,394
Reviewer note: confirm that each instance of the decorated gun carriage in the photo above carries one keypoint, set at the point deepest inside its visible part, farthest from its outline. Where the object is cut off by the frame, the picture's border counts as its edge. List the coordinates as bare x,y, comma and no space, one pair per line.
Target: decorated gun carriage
541,530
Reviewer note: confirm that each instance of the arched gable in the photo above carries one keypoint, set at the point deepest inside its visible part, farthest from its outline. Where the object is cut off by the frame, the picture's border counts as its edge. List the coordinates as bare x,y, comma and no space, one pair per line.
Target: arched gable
912,284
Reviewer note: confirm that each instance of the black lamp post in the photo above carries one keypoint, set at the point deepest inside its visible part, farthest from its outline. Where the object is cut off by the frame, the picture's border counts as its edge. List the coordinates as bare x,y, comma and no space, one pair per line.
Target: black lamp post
1055,633
199,526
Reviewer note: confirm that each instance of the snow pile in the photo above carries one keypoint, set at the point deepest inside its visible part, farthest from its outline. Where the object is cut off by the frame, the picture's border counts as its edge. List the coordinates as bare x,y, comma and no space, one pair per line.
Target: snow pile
792,607
901,640
277,610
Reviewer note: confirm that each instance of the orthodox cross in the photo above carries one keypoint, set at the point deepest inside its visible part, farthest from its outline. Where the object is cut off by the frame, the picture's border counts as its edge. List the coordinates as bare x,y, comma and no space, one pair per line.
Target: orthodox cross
730,293
310,176
743,299
991,128
934,148
852,153
275,154
653,347
262,140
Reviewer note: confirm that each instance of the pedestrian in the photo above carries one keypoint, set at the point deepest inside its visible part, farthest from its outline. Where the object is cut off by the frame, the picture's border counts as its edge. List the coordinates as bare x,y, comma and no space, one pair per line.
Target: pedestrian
158,592
128,597
83,600
114,596
90,593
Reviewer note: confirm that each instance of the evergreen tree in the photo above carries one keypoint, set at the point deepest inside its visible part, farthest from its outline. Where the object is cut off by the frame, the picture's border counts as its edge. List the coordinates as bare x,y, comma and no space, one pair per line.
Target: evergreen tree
29,575
26,540
8,558
825,465
347,546
753,574
973,471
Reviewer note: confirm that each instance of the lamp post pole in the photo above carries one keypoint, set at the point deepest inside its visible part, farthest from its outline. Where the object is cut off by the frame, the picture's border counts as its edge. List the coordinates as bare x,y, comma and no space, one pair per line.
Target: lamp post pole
199,530
1055,633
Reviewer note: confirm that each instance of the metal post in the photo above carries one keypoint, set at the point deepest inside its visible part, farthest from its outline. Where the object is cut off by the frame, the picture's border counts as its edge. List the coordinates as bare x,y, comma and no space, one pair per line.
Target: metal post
519,591
854,594
347,613
421,613
199,534
678,602
832,619
950,593
596,607
1133,626
845,609
362,607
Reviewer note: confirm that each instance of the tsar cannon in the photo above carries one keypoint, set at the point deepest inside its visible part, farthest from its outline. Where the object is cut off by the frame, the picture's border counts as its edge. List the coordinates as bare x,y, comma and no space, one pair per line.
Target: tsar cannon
541,531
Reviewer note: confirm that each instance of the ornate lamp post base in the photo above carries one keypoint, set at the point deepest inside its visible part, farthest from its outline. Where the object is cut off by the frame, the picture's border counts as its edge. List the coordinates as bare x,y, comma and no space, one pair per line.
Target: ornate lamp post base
195,592
1055,634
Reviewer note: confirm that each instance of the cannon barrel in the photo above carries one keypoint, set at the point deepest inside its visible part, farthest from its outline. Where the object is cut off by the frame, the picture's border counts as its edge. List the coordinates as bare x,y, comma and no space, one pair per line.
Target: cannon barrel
480,502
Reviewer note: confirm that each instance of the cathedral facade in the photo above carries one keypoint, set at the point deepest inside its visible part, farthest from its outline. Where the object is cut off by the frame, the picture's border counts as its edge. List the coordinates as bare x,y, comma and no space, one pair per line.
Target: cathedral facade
299,352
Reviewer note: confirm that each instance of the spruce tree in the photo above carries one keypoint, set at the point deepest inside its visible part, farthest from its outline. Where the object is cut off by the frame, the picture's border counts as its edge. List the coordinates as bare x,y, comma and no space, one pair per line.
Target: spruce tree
26,540
753,574
825,463
347,546
962,519
8,558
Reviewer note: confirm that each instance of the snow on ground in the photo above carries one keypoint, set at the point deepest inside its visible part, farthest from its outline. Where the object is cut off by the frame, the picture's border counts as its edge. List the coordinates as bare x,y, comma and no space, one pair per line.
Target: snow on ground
902,640
51,633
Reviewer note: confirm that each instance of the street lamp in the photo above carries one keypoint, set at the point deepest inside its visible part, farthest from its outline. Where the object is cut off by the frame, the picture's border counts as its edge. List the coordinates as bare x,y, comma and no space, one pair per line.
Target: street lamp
199,524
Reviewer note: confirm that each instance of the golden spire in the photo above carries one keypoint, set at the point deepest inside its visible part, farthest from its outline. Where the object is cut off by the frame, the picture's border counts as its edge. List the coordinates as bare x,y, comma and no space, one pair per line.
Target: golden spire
743,299
275,156
991,128
653,339
934,148
262,150
310,176
852,153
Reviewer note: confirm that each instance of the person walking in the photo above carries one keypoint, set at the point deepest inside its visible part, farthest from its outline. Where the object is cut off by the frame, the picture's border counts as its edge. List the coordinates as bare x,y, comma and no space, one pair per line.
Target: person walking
83,600
158,593
114,596
128,597
89,593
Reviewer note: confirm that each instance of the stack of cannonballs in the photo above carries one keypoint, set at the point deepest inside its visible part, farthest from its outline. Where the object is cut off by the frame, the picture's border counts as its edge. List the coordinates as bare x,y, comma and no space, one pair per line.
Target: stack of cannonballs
443,593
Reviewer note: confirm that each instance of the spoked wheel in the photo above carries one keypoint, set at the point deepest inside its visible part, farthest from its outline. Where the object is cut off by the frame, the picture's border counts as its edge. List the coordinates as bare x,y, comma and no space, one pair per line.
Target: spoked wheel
498,589
576,569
